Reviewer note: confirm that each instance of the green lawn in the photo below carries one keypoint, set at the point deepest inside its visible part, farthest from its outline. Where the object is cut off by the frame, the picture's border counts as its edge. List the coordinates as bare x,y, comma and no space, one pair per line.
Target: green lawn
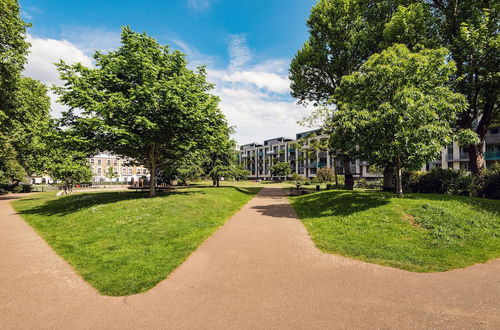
123,243
420,232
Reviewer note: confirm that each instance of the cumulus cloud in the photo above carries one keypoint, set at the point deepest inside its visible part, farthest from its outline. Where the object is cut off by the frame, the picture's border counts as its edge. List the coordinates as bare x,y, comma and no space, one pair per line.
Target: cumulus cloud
90,39
43,54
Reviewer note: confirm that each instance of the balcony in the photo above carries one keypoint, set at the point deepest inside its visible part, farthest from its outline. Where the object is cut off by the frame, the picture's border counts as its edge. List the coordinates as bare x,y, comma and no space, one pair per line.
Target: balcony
260,154
291,150
271,152
492,155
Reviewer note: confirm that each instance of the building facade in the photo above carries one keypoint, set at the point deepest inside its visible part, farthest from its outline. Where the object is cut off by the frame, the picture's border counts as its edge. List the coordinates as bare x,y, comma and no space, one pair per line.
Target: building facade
258,158
104,163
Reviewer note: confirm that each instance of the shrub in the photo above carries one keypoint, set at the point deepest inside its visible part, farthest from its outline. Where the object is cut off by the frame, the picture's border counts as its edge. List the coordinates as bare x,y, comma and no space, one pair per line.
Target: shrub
488,184
326,175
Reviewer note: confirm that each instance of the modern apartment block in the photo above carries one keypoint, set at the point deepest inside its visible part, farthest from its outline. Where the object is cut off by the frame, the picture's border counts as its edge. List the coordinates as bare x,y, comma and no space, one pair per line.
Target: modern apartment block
457,157
259,158
124,172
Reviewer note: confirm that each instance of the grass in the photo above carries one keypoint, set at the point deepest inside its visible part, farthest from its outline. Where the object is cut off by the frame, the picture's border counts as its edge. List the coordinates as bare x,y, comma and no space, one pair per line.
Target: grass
123,243
420,232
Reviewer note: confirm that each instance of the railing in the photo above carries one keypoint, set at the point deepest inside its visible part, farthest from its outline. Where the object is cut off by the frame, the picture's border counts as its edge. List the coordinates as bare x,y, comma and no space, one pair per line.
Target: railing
464,155
260,154
291,150
492,155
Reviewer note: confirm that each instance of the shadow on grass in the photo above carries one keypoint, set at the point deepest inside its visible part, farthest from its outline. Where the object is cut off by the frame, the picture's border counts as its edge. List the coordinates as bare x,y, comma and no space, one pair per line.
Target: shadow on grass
338,203
79,201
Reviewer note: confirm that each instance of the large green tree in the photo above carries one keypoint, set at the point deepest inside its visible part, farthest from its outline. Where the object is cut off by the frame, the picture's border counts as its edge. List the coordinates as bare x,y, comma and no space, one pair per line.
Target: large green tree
142,102
469,30
343,34
399,108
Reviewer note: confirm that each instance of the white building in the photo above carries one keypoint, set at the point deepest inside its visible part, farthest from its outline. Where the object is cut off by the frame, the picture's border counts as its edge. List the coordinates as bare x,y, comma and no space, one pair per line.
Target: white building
105,163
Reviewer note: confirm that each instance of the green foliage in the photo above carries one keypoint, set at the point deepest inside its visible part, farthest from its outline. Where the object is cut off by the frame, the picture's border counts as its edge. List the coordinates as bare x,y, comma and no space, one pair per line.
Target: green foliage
11,172
189,173
123,253
421,232
13,51
142,102
326,175
111,173
282,169
401,100
488,183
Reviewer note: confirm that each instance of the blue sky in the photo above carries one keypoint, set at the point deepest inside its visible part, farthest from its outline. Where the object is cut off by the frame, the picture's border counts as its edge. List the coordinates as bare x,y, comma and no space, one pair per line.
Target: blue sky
246,46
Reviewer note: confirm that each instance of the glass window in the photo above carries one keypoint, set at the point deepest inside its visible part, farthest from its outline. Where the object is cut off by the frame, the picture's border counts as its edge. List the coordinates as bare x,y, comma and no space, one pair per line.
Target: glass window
91,160
99,171
130,171
108,162
99,161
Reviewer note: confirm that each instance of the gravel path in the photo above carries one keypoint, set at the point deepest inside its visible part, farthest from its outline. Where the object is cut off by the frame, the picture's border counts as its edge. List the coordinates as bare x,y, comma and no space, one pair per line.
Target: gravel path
260,270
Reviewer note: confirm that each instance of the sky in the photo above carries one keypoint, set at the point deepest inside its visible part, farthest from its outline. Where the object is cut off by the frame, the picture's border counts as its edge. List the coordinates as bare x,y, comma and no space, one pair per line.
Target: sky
246,45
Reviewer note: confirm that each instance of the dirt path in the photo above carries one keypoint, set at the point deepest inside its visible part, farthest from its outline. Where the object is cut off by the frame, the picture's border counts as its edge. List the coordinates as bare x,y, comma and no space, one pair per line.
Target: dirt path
260,270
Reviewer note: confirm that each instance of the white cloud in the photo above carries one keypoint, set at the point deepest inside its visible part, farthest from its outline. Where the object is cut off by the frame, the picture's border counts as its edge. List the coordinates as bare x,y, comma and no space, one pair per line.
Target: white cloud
268,80
91,39
198,6
239,52
43,54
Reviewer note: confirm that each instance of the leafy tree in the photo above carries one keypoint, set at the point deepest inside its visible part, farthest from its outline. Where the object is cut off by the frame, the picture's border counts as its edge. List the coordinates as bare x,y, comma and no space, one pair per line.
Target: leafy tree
399,107
281,169
111,173
142,102
469,30
326,175
13,51
189,172
343,35
11,172
63,160
222,160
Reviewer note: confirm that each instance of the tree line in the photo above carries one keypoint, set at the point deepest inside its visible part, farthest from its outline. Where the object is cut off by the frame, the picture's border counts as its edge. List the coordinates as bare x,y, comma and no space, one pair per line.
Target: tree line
140,102
394,81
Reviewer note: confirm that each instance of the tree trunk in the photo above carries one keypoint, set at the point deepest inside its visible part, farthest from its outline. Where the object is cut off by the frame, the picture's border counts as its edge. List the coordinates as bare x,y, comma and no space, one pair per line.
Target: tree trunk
399,183
152,181
218,182
349,179
388,177
335,172
476,158
214,181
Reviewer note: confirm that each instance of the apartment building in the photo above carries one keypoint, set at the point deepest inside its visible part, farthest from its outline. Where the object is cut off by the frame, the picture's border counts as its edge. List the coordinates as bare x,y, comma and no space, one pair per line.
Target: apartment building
258,158
457,157
101,164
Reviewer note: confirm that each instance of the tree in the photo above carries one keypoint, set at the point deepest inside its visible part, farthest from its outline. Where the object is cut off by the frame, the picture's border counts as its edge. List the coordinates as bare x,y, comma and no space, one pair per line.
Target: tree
11,172
13,51
469,30
111,173
281,169
343,35
189,172
63,160
399,107
142,102
221,160
326,175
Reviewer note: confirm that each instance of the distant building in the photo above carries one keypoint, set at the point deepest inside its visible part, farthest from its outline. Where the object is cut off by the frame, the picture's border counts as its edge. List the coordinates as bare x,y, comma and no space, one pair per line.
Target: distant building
258,158
124,171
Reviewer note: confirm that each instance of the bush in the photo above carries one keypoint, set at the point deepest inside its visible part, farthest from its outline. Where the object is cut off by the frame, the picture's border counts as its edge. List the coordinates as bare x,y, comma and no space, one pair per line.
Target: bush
326,175
363,183
488,184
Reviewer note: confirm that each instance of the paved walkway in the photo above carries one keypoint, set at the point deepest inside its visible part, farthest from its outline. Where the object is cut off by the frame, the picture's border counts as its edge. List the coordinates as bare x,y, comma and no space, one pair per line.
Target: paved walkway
260,270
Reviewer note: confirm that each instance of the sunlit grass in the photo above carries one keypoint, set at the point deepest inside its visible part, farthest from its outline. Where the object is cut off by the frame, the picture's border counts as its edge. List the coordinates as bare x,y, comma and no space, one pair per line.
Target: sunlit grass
123,242
421,232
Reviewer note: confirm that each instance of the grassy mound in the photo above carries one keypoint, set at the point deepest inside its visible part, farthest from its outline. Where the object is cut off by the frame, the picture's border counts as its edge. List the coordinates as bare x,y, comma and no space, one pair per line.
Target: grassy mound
420,232
123,243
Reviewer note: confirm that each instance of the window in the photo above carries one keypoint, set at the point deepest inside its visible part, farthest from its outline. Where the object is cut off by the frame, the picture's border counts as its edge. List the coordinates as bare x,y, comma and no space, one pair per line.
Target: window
108,162
115,162
464,166
99,161
130,171
124,171
99,170
145,171
91,160
494,130
450,165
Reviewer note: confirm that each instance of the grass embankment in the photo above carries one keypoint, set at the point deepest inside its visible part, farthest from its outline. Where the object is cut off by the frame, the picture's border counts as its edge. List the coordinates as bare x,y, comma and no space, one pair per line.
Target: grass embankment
420,232
123,243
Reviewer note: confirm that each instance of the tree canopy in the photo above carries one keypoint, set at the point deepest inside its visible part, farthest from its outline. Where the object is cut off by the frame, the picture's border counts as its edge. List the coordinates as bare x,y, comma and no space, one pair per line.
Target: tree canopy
398,108
142,102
